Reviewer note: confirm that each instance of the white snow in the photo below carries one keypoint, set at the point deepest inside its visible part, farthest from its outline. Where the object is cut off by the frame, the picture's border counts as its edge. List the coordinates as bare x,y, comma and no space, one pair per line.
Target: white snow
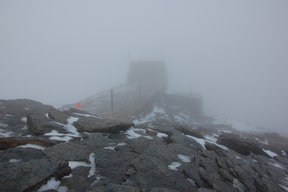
209,139
14,160
151,116
110,148
87,115
4,133
284,187
237,157
68,127
270,153
224,131
59,136
24,128
200,141
264,142
47,115
74,164
32,146
221,146
184,158
131,134
67,176
238,185
24,119
53,184
283,153
174,165
275,164
64,138
161,135
92,164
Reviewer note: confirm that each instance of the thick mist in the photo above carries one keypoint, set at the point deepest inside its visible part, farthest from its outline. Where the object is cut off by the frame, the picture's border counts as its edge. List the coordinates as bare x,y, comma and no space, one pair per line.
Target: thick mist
235,54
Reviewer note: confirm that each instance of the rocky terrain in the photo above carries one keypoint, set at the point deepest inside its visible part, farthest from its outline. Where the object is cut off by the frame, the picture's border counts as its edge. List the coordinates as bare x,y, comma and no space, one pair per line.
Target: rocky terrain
161,150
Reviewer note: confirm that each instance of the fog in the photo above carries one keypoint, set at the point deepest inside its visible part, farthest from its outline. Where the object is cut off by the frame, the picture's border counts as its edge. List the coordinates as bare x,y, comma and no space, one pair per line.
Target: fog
235,54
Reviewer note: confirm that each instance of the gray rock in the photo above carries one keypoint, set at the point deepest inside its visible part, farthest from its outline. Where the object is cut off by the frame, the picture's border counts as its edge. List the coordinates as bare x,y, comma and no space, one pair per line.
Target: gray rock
152,168
32,174
40,125
157,189
185,141
115,188
68,151
21,154
240,145
189,131
91,124
10,142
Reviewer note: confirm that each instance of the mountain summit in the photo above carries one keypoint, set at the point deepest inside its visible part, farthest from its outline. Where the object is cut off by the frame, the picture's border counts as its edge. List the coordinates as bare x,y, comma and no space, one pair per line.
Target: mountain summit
135,137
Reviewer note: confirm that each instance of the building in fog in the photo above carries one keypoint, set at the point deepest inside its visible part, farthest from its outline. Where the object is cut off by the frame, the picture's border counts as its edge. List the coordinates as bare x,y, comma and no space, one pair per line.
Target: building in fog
147,72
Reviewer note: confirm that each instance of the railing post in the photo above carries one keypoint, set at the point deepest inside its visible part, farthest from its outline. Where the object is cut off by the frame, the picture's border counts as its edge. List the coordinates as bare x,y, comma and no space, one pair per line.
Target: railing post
112,112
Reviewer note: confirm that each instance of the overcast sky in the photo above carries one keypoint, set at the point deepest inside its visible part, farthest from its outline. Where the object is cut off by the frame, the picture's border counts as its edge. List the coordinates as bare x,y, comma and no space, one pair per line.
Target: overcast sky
235,54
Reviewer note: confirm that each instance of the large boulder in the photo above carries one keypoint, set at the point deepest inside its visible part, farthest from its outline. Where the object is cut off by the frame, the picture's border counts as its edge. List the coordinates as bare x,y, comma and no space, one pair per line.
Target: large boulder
92,124
31,175
68,151
6,143
13,116
240,145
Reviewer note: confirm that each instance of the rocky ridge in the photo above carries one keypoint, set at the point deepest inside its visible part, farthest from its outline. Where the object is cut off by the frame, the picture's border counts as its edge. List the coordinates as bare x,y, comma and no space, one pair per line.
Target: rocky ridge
44,149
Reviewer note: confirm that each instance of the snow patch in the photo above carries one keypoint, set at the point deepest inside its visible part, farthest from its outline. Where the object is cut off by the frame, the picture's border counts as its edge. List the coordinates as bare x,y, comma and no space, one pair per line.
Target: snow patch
284,187
4,133
270,153
200,141
9,115
47,115
92,164
32,146
208,139
174,165
110,148
64,138
74,164
24,119
264,142
238,185
52,184
87,115
131,134
184,158
275,164
14,160
161,135
121,144
68,127
283,153
151,116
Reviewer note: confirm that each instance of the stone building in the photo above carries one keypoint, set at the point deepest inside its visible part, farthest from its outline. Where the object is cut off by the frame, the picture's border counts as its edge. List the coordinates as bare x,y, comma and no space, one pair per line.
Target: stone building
147,72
